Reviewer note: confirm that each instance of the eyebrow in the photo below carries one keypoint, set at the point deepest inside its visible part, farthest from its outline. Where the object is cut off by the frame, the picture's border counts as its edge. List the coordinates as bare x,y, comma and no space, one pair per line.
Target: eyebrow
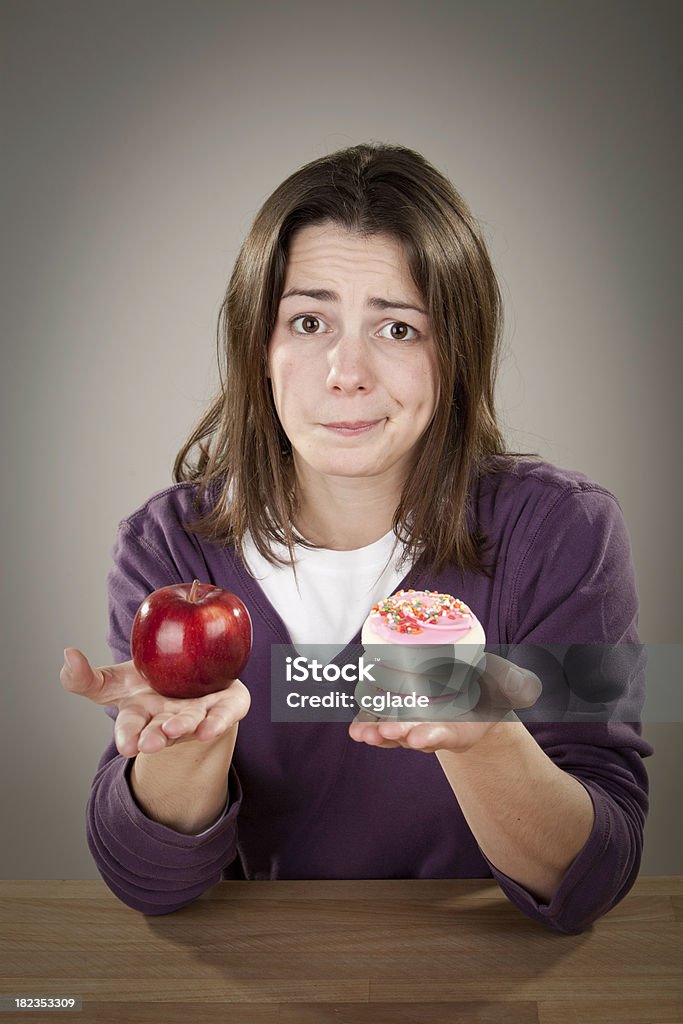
323,295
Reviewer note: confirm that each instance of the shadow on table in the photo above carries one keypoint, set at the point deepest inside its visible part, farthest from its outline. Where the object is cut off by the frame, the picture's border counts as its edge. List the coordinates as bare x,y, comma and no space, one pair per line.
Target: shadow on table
337,953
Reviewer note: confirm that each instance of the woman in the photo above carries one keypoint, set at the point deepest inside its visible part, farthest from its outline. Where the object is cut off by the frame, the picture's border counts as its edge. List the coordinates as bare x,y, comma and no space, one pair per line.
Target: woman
353,450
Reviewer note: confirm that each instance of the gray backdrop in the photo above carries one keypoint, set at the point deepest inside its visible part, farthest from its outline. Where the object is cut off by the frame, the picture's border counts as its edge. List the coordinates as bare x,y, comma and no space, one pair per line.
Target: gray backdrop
142,137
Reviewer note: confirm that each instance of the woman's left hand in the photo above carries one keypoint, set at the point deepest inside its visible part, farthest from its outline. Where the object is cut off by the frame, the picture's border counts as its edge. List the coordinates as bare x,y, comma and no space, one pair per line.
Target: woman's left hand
504,688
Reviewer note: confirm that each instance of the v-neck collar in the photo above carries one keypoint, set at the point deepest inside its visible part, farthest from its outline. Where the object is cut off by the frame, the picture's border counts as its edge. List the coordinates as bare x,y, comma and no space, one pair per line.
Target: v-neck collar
414,579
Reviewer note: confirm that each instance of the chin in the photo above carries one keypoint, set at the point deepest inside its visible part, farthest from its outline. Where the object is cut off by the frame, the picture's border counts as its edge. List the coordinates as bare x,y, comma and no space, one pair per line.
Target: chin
352,463
359,469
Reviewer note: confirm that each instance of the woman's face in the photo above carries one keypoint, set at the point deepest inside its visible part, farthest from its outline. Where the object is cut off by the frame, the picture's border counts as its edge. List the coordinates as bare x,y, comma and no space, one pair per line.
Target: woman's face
352,368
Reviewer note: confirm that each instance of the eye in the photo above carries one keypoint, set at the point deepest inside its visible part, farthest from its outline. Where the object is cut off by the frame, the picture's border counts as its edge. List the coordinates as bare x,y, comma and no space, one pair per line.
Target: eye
310,324
403,328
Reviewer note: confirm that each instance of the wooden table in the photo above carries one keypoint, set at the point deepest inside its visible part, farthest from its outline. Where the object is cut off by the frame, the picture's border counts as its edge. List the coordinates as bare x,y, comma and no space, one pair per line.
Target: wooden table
376,952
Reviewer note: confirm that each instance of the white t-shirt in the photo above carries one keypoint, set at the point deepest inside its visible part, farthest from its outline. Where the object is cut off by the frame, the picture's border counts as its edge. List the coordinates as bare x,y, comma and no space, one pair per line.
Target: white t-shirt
334,590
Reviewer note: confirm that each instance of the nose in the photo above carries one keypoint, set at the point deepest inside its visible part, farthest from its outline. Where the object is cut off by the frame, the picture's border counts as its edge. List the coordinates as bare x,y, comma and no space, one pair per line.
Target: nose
350,365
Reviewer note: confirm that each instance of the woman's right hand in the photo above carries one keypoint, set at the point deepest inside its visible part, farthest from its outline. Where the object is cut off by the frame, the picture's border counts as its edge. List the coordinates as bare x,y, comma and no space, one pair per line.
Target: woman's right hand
148,722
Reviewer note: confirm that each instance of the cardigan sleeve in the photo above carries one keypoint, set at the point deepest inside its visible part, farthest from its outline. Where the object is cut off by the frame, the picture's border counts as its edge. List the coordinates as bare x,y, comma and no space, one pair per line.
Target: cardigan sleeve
148,866
575,585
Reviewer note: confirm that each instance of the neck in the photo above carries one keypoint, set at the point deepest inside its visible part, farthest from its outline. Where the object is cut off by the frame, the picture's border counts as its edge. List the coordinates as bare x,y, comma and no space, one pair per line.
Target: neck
343,513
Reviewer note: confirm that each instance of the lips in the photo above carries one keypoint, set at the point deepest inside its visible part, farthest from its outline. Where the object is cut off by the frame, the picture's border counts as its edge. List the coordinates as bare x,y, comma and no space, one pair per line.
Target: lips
349,428
354,425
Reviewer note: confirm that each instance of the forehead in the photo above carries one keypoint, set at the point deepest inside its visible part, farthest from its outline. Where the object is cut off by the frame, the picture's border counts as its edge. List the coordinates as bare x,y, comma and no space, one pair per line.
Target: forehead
321,250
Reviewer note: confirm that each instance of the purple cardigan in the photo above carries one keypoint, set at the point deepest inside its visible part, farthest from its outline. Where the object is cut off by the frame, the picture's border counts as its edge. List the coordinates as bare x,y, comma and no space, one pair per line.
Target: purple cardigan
306,801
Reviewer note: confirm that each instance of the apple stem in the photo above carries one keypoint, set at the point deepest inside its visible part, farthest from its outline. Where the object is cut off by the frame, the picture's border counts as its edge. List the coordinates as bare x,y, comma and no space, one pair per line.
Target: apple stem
193,591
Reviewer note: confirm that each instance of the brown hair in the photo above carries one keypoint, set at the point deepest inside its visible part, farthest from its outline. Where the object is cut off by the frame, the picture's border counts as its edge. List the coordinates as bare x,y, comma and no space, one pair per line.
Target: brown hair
243,456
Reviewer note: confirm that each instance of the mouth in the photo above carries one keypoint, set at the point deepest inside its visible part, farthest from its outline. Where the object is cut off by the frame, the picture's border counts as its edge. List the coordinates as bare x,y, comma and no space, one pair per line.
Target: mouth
352,428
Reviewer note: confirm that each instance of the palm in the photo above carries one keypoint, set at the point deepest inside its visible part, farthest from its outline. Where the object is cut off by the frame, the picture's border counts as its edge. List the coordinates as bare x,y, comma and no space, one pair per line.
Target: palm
427,737
496,705
147,721
161,721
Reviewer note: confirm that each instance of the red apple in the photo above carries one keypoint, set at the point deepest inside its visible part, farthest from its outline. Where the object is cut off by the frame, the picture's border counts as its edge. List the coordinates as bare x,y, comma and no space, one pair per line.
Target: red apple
190,639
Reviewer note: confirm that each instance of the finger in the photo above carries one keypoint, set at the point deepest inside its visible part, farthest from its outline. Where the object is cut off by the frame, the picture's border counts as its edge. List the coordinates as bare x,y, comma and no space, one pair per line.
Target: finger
78,676
129,725
427,737
183,723
152,738
368,733
104,685
359,726
522,688
214,725
394,730
509,685
233,703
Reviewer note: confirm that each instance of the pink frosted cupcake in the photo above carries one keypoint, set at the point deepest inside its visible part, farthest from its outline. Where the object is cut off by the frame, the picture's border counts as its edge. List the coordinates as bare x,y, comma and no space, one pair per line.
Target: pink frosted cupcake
420,618
425,642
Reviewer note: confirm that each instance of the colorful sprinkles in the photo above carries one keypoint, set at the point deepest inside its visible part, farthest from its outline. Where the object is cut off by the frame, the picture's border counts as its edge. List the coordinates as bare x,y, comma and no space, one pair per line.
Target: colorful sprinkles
406,610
